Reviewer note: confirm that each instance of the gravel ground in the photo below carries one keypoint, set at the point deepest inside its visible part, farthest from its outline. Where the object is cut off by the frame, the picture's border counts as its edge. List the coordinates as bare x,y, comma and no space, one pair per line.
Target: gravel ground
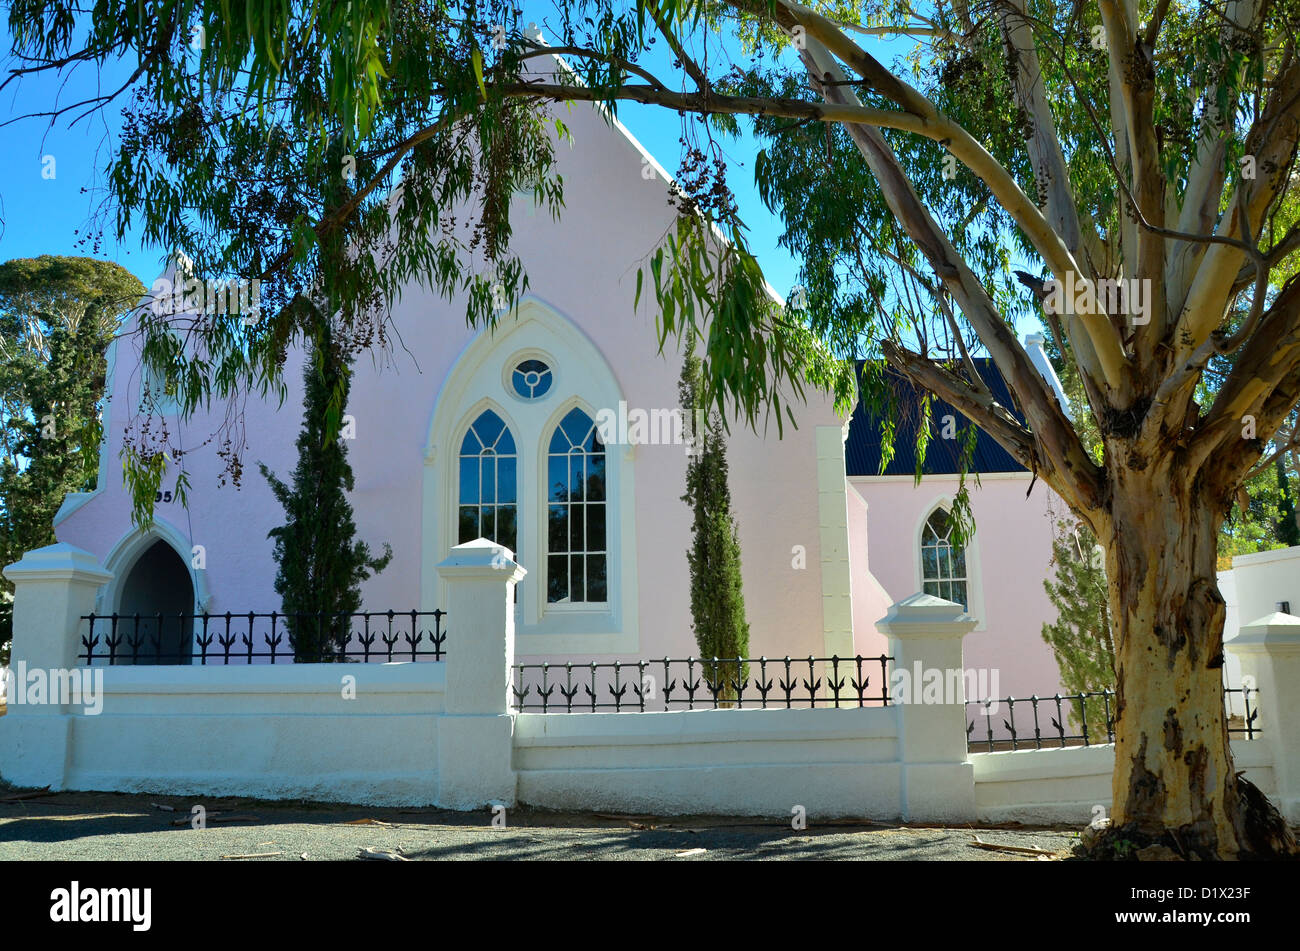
116,826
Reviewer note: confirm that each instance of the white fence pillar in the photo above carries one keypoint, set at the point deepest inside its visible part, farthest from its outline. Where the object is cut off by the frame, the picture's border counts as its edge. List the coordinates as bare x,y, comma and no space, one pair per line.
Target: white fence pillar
1269,651
476,732
53,588
925,635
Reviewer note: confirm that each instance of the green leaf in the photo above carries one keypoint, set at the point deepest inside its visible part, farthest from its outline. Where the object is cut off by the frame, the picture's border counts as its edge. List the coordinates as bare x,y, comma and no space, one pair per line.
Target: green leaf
476,58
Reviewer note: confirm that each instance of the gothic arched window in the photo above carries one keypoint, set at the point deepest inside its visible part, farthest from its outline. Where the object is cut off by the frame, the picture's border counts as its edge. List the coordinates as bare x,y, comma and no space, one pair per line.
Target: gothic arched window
576,563
488,500
943,563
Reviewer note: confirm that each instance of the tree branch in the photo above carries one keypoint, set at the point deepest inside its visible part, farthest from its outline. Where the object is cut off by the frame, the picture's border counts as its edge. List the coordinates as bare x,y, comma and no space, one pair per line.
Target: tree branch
1041,140
665,29
977,403
1062,458
1272,142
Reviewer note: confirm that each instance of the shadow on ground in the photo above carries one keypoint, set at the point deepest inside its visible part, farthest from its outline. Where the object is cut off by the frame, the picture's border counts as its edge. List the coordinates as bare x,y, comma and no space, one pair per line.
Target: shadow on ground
108,826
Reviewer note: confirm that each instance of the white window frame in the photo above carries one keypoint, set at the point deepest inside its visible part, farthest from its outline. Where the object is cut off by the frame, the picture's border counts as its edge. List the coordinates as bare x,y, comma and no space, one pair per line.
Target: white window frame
544,502
508,376
460,455
581,378
941,545
974,572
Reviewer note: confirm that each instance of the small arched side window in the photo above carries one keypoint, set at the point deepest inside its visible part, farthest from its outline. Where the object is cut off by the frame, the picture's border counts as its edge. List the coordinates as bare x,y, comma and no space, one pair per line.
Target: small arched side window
943,563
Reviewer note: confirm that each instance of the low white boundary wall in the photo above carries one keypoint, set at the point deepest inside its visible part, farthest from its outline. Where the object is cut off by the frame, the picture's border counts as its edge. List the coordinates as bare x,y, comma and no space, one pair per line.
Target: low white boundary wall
277,732
444,733
1063,786
743,762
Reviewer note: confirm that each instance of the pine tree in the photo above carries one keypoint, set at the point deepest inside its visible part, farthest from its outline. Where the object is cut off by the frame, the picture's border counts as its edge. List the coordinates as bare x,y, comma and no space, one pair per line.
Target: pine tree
57,317
717,598
1081,636
321,566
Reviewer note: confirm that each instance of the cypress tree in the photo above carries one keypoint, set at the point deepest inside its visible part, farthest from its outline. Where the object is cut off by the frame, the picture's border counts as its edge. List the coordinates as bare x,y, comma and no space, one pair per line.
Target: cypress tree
1081,638
717,598
320,564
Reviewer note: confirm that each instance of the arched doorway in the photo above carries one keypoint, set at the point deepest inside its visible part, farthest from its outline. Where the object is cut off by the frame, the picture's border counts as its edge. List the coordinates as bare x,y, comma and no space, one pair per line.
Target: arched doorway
158,584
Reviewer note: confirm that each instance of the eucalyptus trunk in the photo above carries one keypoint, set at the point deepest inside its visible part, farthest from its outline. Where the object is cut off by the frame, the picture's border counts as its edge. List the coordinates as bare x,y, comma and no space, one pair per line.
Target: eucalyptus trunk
1174,780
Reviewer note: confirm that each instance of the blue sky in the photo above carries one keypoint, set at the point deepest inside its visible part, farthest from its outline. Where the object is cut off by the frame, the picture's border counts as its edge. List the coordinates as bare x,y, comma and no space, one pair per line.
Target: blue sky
44,215
53,215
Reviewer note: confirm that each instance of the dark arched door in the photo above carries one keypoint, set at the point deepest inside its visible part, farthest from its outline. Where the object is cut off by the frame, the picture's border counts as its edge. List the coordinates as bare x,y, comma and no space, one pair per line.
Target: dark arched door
156,608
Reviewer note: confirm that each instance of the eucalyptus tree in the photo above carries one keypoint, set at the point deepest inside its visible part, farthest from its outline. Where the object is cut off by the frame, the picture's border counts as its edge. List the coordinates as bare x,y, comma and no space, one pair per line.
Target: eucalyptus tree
1122,168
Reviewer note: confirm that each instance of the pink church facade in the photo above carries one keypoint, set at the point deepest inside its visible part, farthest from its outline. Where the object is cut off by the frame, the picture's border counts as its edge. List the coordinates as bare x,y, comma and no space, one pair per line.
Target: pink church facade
1008,558
825,552
413,409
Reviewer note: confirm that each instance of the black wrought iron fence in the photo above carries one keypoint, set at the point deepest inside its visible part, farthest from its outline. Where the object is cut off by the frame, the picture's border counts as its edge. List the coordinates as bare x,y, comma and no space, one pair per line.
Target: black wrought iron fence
1059,721
254,638
1243,725
697,683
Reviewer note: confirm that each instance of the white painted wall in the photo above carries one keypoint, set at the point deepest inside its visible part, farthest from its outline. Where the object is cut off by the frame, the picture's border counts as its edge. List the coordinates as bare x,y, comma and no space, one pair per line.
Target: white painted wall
1262,579
743,762
1251,590
1063,786
443,733
276,732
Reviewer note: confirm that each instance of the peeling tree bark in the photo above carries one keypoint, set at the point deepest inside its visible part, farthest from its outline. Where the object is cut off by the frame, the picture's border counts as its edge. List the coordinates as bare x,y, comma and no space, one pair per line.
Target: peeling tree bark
1173,764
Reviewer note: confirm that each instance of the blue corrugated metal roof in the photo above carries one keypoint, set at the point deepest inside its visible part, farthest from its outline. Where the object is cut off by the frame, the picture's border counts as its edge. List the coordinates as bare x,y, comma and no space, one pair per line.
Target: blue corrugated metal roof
862,453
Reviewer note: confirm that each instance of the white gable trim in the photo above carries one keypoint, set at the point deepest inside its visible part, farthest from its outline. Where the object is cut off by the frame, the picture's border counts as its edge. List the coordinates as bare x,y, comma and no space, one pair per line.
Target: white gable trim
75,500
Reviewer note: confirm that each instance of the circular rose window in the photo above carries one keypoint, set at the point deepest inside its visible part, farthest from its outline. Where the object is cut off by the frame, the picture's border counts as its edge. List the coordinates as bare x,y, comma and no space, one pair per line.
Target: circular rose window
531,379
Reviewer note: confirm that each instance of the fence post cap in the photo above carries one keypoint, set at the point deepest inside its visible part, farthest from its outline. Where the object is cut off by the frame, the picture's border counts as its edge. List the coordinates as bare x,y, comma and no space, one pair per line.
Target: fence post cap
923,615
1273,633
60,562
482,558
